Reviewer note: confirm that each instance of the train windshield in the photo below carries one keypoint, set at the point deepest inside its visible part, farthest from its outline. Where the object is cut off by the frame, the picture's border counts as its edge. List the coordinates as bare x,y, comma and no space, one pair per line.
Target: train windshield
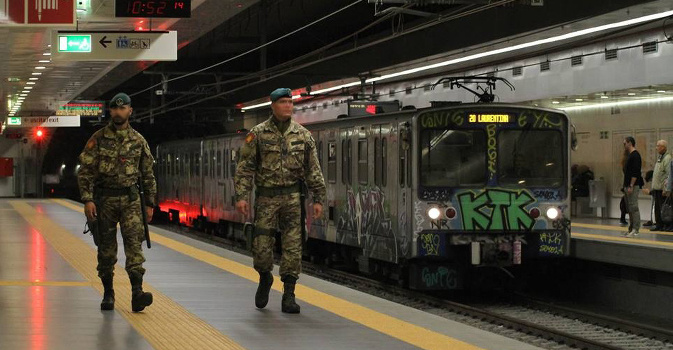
530,158
453,158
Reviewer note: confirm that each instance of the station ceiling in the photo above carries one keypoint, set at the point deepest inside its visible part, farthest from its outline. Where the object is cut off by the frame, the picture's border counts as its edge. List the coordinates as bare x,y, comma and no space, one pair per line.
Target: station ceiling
252,47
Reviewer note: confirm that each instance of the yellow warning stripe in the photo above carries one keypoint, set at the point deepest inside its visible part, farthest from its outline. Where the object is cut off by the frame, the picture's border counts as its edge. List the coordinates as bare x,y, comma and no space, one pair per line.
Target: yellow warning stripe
620,229
622,239
165,324
394,327
46,283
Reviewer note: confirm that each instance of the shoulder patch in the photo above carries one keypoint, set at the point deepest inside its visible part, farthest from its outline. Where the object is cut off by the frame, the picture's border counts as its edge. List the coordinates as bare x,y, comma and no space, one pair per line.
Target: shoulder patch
91,144
250,137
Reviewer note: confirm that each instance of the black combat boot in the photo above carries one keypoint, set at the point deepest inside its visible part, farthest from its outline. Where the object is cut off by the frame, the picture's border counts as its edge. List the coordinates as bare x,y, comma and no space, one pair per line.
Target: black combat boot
289,305
108,302
262,295
139,299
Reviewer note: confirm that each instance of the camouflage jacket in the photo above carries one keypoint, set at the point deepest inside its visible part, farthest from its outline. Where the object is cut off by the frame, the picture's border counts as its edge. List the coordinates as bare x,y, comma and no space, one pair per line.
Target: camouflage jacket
114,159
279,160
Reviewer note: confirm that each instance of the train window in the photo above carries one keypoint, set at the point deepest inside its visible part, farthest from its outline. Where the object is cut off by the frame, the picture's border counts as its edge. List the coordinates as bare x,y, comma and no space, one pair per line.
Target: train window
521,161
219,164
377,162
234,160
363,165
331,162
186,166
320,155
169,164
226,163
197,164
344,163
349,164
212,164
384,161
403,163
206,164
453,158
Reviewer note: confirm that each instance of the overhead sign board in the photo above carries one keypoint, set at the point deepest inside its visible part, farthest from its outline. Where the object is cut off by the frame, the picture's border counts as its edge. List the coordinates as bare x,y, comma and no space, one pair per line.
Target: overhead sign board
38,13
47,122
82,108
115,46
16,121
153,8
74,43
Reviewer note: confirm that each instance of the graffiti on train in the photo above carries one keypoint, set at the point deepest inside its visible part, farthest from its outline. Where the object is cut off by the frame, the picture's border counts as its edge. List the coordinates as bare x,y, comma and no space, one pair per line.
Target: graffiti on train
540,120
442,119
552,243
496,210
365,221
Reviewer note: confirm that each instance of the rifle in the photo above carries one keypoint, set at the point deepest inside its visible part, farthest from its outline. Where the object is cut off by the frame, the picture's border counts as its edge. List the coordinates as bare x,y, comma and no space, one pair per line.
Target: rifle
141,188
94,228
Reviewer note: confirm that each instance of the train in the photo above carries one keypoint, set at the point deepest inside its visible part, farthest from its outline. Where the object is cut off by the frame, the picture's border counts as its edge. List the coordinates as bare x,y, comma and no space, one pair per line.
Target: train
422,196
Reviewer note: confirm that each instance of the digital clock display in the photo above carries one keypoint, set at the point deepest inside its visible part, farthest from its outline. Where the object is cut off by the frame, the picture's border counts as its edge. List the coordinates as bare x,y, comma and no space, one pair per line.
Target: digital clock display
153,8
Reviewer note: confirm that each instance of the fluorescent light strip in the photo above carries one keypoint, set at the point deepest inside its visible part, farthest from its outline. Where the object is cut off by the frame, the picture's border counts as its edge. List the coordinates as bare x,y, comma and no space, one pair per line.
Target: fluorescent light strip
567,36
618,104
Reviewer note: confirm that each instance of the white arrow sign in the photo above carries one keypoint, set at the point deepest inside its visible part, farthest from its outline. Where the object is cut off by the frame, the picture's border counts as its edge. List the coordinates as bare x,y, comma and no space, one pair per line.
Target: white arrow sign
46,122
114,46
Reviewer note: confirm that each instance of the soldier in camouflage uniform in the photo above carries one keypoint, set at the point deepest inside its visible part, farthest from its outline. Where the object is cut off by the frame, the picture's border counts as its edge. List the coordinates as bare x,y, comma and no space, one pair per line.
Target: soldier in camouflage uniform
280,155
111,163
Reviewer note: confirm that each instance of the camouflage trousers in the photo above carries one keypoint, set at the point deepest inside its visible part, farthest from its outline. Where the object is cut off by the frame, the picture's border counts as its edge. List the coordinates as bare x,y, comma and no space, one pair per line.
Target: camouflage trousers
283,213
122,210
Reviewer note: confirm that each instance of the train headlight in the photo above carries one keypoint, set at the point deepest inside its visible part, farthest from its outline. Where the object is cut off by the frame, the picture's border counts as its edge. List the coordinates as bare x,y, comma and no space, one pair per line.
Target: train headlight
433,213
552,213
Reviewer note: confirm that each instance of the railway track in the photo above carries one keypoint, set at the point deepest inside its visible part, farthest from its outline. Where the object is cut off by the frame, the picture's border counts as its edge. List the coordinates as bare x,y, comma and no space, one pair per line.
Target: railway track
539,323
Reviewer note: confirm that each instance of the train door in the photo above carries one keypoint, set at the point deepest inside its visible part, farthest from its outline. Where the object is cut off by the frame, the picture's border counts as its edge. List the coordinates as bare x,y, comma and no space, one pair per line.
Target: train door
385,193
404,181
228,185
316,228
330,174
219,182
347,215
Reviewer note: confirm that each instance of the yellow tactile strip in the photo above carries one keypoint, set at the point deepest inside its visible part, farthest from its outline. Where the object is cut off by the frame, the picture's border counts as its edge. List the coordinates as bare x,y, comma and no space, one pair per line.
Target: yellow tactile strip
396,328
46,283
622,239
165,324
620,229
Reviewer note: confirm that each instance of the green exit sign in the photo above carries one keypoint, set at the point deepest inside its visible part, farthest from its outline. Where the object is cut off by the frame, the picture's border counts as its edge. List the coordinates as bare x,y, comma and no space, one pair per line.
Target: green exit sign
74,43
13,120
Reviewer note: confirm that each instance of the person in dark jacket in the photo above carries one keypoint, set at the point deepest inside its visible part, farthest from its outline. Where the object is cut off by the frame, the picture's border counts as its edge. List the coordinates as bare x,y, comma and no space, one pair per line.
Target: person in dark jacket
633,182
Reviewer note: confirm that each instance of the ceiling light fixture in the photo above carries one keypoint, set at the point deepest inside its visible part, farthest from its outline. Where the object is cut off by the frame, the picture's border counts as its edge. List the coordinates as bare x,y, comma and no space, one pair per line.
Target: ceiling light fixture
40,67
661,91
36,73
28,87
31,83
33,78
46,54
555,102
44,61
579,100
619,104
512,48
632,94
604,96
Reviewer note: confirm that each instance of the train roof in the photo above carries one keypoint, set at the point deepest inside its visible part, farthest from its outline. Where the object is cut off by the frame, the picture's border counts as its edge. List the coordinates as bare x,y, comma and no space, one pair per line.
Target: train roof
383,117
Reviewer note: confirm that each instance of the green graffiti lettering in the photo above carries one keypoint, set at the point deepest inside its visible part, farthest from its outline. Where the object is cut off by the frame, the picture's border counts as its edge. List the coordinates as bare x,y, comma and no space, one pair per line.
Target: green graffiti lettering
496,210
500,201
470,208
517,216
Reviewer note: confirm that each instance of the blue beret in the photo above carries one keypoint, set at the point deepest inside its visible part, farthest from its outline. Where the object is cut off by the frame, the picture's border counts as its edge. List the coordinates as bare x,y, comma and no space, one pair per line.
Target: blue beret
119,100
281,92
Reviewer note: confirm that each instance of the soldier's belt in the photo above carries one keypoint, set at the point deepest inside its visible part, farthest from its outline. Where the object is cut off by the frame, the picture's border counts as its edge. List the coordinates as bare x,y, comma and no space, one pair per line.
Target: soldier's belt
116,192
277,191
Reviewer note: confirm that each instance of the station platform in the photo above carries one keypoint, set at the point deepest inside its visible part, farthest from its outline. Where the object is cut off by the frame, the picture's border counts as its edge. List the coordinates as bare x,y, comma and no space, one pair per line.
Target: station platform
203,298
603,240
